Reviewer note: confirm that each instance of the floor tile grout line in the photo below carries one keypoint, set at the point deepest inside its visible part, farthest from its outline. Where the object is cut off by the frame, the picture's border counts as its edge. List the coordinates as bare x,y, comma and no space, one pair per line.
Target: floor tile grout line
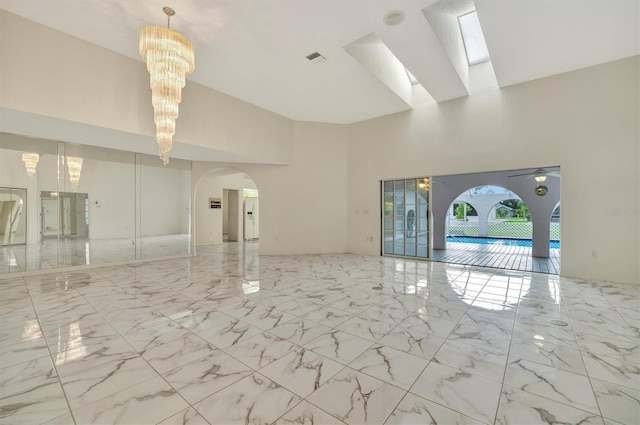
548,398
584,364
508,355
44,337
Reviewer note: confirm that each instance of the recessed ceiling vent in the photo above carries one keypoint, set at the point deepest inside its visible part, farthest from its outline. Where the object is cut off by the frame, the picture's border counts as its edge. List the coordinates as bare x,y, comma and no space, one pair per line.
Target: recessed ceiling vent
316,57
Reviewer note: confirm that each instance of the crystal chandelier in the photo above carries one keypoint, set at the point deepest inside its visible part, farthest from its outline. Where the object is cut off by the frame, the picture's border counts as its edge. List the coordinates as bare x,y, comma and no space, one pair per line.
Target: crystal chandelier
30,160
169,57
74,164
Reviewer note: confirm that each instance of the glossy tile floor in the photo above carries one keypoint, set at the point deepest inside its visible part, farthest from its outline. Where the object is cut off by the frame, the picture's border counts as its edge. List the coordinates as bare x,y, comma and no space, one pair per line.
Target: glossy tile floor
232,338
80,251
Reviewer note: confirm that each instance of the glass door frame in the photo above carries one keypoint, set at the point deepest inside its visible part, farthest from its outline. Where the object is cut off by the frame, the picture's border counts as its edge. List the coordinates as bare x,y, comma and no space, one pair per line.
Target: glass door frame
412,197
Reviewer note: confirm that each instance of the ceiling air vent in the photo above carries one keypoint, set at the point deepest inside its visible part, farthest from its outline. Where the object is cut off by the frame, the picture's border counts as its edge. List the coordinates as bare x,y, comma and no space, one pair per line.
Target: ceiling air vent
316,57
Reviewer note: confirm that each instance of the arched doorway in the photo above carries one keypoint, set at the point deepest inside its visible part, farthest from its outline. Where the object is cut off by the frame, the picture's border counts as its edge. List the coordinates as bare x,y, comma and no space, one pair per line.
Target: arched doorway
510,225
226,207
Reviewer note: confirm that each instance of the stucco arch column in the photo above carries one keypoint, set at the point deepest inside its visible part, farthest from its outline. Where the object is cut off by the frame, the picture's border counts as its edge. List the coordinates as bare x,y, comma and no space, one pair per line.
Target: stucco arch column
540,236
540,209
438,217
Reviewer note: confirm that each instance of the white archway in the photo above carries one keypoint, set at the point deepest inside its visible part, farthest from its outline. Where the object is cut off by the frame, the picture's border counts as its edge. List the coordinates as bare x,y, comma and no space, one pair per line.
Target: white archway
445,189
210,206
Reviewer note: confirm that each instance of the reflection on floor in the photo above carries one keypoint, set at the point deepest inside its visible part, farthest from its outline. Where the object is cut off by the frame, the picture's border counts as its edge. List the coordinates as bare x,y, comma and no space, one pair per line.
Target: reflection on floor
498,256
83,251
228,337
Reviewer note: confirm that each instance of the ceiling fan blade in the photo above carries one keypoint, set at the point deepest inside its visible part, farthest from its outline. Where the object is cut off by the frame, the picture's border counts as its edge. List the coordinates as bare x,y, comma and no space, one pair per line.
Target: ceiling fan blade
524,174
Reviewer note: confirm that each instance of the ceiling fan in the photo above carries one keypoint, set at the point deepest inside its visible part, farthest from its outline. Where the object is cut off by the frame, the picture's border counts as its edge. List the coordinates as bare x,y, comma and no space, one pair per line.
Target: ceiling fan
539,175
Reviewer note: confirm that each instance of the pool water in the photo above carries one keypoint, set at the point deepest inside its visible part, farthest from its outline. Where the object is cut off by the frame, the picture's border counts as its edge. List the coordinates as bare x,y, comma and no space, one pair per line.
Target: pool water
498,241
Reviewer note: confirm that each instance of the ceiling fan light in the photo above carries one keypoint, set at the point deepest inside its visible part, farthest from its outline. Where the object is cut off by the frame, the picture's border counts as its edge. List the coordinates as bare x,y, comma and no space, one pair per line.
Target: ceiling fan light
540,178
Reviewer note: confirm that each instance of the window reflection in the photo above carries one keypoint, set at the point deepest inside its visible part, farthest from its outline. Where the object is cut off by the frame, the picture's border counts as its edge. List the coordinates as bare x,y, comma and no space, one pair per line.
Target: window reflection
70,347
31,330
489,292
251,287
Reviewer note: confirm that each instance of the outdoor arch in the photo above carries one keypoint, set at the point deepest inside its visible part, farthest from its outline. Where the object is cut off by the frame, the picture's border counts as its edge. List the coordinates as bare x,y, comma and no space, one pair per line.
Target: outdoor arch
462,218
208,220
445,189
484,199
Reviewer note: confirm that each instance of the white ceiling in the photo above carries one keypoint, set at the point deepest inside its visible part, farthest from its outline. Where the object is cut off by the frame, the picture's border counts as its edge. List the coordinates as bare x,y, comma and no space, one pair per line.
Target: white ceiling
255,49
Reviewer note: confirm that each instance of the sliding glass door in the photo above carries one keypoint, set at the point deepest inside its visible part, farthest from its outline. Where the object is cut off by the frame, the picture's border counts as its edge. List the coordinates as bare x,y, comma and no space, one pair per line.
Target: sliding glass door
405,217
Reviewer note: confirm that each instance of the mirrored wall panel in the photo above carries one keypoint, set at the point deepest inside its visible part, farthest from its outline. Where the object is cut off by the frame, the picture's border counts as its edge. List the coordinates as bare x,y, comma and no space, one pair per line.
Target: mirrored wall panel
64,204
165,206
13,222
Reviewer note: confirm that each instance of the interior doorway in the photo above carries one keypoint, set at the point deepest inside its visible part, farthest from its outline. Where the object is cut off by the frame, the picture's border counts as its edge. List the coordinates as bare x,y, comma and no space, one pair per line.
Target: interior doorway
499,219
219,207
64,214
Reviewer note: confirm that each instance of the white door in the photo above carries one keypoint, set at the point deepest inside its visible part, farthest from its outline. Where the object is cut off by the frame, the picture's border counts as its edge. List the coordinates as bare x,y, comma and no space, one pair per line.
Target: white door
251,218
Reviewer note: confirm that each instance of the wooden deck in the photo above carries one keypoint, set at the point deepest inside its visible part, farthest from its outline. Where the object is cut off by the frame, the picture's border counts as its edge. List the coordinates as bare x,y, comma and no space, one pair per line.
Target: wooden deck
498,256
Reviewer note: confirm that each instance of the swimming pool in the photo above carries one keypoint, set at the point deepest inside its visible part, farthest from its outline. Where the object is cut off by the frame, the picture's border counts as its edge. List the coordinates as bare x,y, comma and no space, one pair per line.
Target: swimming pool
498,241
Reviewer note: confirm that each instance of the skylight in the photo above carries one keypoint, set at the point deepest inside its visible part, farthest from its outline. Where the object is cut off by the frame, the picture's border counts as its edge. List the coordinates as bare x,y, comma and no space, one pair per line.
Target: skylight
473,38
411,78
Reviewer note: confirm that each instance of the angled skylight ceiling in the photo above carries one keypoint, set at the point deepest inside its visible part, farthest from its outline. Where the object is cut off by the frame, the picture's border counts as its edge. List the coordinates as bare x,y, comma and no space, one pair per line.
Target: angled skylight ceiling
257,54
373,54
473,38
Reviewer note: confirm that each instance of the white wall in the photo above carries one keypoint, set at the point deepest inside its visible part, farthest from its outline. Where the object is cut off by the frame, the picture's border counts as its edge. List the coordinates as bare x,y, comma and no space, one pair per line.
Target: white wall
303,205
52,74
585,121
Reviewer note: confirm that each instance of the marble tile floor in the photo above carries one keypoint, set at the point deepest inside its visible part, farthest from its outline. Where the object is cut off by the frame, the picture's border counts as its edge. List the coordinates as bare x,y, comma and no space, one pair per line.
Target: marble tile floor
52,253
230,337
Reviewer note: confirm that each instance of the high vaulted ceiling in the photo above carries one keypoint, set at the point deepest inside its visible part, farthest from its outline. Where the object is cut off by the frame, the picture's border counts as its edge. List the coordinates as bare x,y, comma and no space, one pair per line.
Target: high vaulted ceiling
255,50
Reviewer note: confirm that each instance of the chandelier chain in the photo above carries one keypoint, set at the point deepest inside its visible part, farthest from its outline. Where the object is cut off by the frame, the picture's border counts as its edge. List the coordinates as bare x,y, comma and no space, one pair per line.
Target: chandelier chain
169,12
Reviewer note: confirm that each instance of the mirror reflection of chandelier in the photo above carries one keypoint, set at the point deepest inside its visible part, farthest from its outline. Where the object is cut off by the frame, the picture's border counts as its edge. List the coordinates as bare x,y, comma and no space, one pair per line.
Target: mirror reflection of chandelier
169,56
30,160
74,164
